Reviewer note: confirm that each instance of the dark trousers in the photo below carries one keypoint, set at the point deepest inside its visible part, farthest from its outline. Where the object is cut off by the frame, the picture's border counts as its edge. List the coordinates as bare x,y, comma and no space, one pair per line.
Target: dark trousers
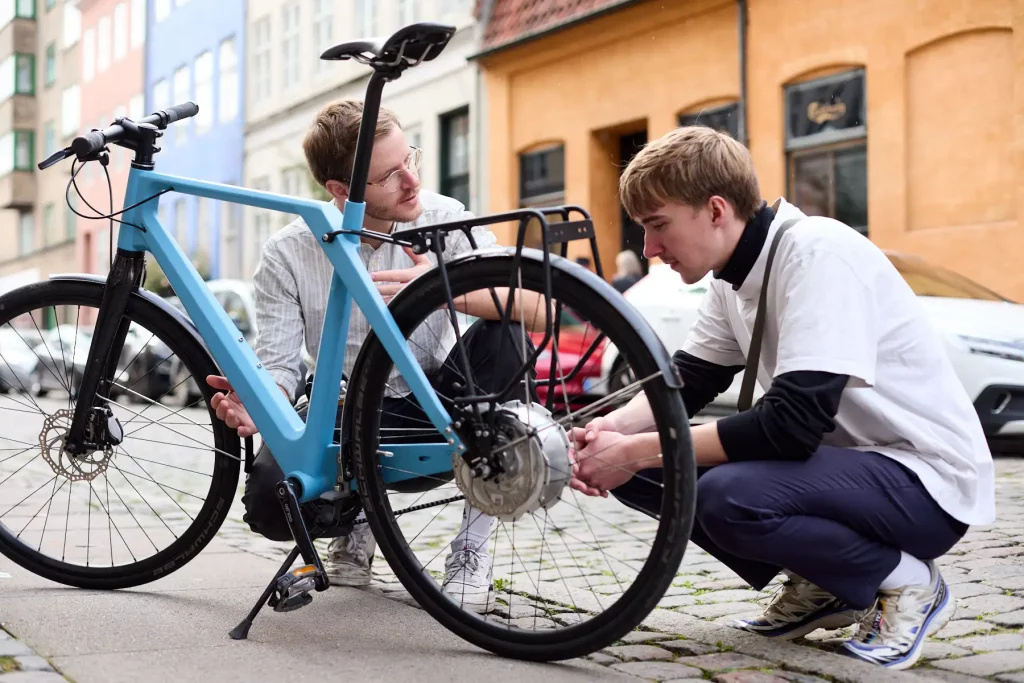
495,357
838,519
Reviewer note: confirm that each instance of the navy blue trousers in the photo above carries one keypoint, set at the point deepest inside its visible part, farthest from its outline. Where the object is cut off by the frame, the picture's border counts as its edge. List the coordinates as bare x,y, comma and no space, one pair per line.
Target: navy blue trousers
838,519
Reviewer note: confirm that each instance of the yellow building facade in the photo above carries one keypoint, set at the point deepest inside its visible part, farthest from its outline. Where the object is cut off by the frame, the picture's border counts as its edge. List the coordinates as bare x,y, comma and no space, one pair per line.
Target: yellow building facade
904,119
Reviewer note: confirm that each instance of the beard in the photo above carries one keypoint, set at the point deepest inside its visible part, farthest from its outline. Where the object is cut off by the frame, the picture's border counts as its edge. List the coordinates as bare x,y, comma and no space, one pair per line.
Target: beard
397,214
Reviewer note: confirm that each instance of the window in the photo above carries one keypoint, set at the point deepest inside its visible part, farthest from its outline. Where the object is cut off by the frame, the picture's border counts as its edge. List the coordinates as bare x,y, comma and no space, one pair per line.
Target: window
406,12
72,24
228,81
204,92
291,185
138,23
120,30
49,138
231,245
455,155
413,135
71,111
17,151
136,107
88,55
724,119
290,45
203,226
70,217
827,148
161,95
51,65
17,76
103,45
261,60
180,222
366,18
50,235
541,183
322,32
161,9
21,9
181,94
261,225
26,232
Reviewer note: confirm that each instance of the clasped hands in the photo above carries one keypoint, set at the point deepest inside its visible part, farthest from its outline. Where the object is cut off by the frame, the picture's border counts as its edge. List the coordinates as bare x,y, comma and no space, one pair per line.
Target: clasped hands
602,458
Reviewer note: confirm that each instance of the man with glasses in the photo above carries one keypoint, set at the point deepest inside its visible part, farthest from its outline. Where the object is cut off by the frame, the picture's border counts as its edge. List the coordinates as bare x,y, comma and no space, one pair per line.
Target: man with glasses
291,287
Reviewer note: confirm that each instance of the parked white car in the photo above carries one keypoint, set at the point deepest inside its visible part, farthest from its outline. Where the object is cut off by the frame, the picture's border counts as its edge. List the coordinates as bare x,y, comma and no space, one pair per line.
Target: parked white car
984,334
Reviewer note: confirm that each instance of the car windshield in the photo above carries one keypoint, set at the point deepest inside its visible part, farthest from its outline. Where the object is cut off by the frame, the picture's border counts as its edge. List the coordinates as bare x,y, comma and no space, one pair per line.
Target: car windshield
930,280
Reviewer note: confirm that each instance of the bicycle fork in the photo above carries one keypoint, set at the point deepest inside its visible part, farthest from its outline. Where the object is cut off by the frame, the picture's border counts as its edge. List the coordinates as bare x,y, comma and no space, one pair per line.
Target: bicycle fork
93,420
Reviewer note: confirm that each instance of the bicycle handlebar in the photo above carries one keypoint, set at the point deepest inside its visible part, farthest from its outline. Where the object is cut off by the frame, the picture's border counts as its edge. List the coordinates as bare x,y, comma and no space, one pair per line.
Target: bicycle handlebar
92,142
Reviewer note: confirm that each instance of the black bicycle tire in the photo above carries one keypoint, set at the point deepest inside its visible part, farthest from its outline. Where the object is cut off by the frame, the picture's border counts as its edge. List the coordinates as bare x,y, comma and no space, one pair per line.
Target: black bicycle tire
369,376
223,484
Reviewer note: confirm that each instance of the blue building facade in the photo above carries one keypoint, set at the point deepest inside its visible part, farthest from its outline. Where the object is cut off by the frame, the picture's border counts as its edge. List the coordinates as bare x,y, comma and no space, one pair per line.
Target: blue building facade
196,51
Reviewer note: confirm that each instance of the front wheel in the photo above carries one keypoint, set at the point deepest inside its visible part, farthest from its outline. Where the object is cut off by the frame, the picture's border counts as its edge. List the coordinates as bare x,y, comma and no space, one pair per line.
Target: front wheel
569,573
121,514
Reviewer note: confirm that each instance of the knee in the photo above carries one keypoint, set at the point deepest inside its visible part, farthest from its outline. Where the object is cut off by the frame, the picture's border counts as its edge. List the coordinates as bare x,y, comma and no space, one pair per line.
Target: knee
726,504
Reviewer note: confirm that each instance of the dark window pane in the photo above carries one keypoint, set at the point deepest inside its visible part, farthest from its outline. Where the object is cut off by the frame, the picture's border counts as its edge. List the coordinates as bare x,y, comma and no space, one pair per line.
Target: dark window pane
458,188
811,184
826,105
542,172
722,119
851,187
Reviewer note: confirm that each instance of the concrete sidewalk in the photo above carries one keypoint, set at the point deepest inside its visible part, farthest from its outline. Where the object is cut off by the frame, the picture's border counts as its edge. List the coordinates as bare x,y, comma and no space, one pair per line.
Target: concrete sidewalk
177,629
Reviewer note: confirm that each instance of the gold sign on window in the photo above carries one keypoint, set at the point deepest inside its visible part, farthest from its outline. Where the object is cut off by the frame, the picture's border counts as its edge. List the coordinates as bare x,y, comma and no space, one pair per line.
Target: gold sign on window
820,113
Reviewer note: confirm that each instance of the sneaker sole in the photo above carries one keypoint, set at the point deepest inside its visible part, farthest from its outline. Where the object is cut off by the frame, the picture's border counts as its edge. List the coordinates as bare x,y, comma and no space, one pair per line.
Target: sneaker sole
479,606
829,622
935,621
351,582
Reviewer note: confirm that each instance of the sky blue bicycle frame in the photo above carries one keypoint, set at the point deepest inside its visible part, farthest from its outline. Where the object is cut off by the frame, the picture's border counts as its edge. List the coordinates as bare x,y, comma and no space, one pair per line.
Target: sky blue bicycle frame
306,451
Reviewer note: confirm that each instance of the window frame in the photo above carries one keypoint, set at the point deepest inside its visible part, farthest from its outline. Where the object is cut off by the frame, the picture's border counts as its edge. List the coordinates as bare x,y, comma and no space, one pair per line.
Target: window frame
447,179
830,149
691,118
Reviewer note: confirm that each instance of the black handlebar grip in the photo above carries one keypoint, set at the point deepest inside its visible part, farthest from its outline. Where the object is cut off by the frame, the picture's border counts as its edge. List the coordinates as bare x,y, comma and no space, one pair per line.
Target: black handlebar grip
88,144
181,111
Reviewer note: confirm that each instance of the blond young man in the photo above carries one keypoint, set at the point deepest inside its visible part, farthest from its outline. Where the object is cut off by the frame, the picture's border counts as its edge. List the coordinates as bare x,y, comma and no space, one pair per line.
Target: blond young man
864,460
292,283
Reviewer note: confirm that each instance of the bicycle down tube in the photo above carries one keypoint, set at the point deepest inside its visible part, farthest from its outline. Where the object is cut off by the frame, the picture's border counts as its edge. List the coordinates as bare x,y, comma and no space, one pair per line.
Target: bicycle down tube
305,452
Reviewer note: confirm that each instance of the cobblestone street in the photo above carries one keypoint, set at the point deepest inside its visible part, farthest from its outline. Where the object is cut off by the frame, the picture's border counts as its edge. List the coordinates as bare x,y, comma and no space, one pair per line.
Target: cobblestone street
550,570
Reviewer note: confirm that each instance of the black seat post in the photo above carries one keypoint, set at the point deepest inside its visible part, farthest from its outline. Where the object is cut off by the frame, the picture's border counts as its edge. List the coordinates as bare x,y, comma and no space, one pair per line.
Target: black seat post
367,132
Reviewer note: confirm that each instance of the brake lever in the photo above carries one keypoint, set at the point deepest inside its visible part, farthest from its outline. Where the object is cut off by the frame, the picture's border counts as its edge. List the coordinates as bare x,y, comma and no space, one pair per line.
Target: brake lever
55,158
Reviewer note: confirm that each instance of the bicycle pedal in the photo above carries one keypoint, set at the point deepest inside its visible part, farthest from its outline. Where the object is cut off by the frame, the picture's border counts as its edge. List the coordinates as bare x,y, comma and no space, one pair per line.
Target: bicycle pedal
291,590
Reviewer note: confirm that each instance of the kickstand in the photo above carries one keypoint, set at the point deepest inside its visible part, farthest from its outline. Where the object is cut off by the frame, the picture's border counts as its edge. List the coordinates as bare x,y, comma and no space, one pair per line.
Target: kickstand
241,631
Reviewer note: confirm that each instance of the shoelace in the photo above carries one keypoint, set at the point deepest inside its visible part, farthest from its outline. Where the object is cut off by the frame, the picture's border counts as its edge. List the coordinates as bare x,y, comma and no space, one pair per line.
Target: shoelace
465,560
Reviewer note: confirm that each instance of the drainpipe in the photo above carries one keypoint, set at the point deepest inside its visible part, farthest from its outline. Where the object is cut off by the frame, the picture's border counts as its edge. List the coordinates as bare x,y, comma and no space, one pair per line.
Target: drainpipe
741,21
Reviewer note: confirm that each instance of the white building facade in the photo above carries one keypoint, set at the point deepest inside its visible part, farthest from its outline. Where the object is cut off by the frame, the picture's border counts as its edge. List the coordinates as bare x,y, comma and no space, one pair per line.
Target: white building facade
287,84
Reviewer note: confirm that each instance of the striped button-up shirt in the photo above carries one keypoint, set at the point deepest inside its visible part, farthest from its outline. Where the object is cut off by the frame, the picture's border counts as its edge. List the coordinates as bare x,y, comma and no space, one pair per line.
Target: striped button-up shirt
292,283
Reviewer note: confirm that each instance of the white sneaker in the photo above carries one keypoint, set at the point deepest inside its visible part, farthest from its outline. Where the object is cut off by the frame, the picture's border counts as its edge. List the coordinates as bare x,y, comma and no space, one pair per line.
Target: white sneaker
799,608
467,578
892,634
349,557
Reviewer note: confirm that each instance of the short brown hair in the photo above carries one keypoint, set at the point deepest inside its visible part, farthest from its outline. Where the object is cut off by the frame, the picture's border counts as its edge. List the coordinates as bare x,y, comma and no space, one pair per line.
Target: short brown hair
330,143
689,165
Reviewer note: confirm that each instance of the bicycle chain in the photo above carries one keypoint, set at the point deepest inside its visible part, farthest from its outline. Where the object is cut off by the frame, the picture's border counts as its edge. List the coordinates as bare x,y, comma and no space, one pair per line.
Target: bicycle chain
416,508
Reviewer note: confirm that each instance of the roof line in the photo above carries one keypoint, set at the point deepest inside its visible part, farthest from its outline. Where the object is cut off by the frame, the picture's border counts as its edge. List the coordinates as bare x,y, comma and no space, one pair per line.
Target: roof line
543,33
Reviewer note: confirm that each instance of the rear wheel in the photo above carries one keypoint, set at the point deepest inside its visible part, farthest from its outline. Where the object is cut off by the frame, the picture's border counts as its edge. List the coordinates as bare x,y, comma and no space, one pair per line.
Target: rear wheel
128,513
568,578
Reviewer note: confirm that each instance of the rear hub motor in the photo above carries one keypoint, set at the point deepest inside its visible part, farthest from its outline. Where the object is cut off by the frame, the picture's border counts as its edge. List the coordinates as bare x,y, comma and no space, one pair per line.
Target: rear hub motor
531,454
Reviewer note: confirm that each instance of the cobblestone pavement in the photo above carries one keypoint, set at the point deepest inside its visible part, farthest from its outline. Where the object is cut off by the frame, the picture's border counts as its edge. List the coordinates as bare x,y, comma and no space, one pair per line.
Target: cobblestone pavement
550,570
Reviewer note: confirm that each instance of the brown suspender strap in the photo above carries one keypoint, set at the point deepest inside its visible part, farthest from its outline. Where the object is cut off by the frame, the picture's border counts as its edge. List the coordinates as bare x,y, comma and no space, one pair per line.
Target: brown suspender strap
754,355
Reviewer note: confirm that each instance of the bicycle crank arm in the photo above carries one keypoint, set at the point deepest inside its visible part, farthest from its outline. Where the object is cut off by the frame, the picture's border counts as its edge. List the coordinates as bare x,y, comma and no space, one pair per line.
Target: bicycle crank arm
292,513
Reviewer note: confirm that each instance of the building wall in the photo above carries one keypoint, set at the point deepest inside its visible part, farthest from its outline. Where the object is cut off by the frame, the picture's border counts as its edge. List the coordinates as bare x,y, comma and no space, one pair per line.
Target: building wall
280,111
944,110
49,112
204,41
113,63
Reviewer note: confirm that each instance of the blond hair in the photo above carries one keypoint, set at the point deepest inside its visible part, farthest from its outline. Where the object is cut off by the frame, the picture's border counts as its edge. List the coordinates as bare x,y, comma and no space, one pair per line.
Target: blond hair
330,143
689,165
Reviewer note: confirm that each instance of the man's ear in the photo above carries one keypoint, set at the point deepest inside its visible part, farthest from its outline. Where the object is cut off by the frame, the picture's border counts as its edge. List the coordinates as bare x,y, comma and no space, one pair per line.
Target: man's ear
337,189
718,207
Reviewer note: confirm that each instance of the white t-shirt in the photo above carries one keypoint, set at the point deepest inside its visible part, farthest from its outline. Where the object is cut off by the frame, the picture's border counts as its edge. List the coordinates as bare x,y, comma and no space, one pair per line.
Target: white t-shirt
836,304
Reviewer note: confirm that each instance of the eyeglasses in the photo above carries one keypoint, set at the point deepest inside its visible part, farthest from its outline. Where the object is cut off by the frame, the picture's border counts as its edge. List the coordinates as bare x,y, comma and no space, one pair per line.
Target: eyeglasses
393,180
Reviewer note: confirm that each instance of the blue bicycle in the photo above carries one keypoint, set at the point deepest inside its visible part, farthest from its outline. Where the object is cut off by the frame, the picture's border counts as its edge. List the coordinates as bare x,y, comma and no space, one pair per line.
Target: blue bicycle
81,505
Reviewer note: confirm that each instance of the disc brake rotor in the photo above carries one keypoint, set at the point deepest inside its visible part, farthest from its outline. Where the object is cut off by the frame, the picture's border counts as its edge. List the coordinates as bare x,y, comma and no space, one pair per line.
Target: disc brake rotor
533,450
84,467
